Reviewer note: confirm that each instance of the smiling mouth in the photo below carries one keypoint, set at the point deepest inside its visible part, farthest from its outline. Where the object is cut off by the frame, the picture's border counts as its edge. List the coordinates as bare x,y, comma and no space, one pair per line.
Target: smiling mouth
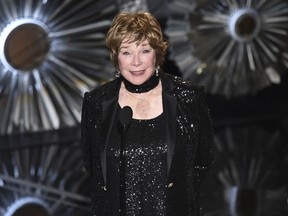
138,72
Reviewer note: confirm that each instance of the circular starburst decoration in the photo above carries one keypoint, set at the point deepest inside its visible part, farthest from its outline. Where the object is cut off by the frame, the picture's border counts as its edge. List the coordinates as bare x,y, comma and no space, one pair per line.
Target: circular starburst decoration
51,52
233,47
249,172
44,180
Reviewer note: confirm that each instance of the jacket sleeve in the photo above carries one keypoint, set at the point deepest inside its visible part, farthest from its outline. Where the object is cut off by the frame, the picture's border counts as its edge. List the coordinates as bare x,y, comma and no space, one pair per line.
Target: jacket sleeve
86,135
90,124
205,149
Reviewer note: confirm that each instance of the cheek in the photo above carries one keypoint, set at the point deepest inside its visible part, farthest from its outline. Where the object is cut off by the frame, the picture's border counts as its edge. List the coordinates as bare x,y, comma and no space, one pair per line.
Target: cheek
122,61
152,60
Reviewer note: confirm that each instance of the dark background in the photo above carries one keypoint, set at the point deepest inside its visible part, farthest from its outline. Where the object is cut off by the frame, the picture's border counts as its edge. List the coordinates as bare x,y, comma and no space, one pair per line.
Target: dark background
249,176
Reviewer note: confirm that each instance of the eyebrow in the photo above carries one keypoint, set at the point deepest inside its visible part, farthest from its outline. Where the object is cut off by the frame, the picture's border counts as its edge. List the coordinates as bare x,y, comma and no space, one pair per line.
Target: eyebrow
144,44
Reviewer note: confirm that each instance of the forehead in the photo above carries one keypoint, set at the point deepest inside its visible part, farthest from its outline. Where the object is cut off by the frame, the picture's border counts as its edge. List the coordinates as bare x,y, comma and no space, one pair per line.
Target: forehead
129,43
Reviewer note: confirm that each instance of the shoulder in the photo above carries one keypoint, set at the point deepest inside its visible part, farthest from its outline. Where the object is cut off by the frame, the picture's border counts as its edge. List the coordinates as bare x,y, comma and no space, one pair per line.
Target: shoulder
183,89
101,92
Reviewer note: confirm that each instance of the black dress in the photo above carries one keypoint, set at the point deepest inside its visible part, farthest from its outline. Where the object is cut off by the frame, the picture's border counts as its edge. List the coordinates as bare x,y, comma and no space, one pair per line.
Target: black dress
146,169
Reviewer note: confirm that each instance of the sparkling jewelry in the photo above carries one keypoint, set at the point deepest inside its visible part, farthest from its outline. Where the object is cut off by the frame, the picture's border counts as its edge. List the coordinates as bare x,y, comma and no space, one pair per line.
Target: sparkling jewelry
144,98
157,70
143,106
117,73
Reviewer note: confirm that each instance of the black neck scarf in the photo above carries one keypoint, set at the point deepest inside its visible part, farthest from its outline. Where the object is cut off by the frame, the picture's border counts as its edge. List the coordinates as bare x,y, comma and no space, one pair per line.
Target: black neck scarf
151,83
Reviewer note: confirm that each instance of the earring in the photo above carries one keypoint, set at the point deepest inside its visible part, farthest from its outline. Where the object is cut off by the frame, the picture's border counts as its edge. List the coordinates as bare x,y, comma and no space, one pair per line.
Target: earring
157,71
117,74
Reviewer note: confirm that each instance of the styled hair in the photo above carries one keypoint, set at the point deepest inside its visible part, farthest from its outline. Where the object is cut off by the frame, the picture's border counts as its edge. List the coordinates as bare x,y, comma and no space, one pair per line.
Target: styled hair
136,27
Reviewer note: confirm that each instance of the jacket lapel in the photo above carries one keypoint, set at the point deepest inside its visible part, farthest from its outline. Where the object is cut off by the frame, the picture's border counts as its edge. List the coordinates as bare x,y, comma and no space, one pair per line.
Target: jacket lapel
109,110
169,103
169,107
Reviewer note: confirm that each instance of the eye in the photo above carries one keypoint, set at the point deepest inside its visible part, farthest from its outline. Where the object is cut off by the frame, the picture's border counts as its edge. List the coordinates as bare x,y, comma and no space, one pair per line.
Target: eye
125,53
146,51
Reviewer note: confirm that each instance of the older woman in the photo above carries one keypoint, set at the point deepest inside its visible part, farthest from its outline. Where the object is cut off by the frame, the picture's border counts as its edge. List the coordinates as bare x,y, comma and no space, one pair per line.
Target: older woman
168,142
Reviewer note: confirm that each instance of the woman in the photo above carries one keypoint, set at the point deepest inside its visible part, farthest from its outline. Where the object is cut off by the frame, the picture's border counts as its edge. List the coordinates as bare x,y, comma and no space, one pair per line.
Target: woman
168,140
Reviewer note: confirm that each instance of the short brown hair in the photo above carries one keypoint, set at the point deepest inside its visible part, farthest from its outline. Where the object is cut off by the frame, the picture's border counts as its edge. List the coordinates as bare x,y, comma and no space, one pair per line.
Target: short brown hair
136,27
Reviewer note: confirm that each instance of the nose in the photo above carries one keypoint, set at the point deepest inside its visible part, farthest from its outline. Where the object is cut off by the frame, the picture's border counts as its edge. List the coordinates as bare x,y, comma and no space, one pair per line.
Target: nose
136,61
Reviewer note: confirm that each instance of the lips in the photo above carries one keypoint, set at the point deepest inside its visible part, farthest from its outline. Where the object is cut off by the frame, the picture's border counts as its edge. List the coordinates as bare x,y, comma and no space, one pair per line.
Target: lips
137,73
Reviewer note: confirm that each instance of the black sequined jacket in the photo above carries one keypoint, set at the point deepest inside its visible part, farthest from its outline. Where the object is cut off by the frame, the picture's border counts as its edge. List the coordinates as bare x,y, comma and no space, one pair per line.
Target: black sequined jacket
188,132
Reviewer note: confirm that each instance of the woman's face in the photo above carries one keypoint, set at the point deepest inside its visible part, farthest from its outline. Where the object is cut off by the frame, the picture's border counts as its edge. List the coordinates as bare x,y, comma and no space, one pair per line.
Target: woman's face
136,62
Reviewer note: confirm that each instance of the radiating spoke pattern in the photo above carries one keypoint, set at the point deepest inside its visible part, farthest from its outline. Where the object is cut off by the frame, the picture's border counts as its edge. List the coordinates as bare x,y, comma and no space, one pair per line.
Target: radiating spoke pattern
51,53
250,172
158,8
133,5
252,157
46,176
232,47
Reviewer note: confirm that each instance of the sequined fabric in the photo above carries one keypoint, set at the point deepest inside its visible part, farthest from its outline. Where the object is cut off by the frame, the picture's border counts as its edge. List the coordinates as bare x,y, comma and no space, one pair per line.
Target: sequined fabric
188,133
146,174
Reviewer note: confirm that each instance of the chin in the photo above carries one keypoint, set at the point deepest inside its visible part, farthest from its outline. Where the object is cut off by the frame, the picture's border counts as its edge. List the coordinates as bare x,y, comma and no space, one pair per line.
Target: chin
137,81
